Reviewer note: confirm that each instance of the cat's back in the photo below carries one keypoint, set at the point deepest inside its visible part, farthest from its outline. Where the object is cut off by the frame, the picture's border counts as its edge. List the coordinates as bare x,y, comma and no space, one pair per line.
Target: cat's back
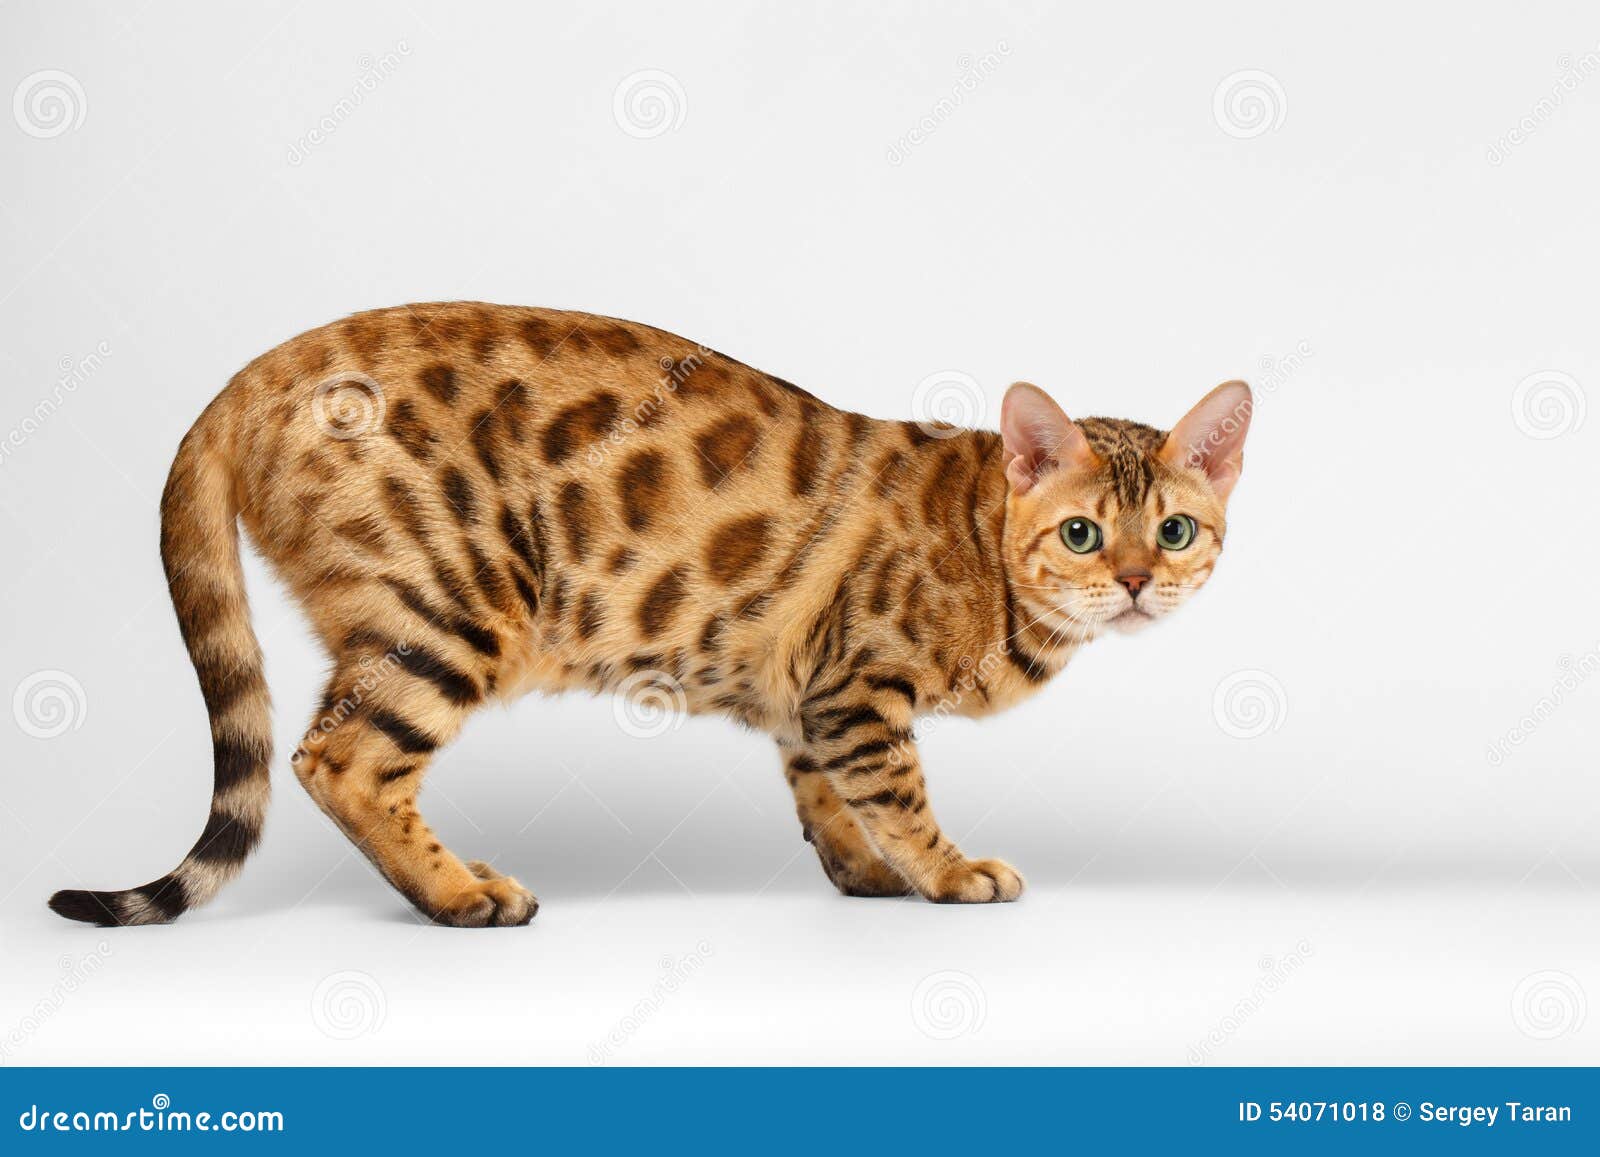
459,358
633,441
514,392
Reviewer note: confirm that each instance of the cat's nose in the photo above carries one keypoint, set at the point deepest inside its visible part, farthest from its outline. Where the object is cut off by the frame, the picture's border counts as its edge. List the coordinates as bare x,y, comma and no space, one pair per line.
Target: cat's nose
1134,581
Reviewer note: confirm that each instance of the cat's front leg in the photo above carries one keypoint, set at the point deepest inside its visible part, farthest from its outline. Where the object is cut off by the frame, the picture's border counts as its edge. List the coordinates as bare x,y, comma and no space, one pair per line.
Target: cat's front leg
858,738
852,864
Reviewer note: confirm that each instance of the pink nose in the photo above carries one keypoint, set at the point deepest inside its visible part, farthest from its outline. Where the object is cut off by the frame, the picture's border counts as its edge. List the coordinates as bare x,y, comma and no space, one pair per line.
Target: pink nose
1134,581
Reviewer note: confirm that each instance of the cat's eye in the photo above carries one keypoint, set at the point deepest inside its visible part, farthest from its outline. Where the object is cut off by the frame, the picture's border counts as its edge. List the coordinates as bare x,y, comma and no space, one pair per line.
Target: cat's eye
1176,532
1080,535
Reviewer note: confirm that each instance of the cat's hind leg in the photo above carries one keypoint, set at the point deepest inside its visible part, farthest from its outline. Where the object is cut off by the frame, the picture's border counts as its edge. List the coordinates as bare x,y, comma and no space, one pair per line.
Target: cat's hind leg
388,709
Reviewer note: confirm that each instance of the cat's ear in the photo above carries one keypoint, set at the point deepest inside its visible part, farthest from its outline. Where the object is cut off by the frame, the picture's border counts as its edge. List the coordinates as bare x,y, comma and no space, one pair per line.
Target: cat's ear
1210,437
1039,437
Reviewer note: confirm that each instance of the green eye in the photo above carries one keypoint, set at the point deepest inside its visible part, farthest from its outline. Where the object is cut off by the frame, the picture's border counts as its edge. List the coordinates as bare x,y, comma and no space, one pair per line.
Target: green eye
1080,535
1176,532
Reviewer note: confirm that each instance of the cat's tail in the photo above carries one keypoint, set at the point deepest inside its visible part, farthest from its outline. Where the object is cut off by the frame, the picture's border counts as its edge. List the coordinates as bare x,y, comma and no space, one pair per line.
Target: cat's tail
200,551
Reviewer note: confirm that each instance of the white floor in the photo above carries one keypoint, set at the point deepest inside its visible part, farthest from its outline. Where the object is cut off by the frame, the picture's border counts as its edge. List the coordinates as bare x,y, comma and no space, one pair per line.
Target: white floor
1129,974
1247,911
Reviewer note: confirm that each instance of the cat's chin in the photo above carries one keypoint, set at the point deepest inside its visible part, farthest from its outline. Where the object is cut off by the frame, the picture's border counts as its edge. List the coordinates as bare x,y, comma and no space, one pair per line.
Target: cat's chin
1131,621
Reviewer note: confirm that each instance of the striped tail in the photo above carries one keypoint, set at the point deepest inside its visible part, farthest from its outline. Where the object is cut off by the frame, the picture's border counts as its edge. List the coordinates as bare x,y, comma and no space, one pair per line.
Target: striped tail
200,551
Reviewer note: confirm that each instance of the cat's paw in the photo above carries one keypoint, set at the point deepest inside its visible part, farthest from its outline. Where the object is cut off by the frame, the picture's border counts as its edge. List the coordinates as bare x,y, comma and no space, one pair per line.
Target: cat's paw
976,882
495,901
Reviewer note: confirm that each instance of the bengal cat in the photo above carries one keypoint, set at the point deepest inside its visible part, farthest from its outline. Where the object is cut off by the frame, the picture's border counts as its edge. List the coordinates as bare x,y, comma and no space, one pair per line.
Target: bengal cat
473,501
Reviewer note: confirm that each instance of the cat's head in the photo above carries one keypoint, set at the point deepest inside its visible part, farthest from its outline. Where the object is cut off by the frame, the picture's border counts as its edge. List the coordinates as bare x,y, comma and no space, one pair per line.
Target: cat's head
1114,524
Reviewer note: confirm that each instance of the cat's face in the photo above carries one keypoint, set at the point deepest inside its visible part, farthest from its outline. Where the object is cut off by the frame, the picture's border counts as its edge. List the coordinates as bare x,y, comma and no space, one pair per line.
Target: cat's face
1111,524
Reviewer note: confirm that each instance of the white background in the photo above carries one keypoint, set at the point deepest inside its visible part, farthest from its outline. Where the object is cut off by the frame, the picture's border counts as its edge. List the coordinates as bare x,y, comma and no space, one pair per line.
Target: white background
1410,568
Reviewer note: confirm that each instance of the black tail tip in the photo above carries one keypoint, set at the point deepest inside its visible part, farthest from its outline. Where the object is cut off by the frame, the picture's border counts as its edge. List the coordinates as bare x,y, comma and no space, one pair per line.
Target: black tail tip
90,907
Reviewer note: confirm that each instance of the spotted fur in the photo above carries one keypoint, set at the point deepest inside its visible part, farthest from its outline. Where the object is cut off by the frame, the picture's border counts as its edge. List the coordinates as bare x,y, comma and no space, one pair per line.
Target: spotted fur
472,501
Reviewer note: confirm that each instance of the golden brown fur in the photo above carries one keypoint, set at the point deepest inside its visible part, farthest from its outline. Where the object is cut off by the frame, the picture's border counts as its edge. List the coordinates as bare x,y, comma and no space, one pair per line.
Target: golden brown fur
474,501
